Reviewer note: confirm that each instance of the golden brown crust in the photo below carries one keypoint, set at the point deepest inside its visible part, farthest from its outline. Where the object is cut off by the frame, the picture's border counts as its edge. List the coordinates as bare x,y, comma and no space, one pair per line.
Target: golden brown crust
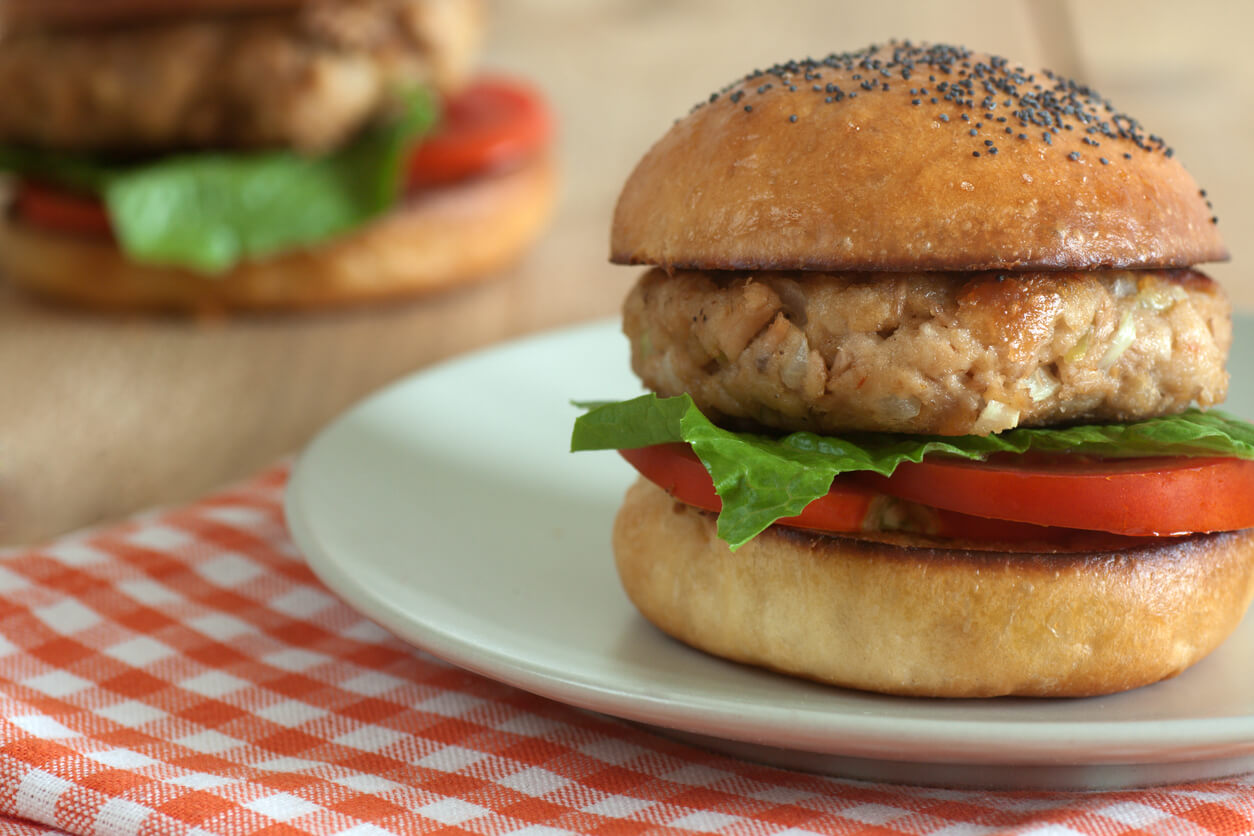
924,621
877,182
448,237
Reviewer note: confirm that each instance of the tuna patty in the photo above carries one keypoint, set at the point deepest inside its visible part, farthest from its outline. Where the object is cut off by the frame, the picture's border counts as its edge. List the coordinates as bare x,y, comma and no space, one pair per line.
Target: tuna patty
307,79
946,353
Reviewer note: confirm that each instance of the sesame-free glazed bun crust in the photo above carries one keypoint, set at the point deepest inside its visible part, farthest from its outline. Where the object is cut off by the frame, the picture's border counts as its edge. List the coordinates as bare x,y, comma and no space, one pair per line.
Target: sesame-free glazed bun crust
447,237
872,181
913,619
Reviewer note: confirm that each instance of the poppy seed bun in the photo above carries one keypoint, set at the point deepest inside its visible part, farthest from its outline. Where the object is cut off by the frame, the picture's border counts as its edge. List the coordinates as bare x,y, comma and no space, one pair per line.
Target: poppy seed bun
445,237
915,619
865,161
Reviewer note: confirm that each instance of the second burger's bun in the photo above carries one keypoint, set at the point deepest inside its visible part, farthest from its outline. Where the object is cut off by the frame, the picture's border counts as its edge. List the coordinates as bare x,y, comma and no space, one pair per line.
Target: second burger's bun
865,162
912,621
445,237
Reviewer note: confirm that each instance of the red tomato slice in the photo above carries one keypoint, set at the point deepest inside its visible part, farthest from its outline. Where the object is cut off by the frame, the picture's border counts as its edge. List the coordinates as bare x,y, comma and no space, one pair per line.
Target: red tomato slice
1137,497
494,122
58,208
677,470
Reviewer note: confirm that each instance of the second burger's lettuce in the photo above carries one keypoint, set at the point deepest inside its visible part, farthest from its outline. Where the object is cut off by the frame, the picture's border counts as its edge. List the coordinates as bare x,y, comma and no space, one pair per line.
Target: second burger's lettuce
209,211
761,479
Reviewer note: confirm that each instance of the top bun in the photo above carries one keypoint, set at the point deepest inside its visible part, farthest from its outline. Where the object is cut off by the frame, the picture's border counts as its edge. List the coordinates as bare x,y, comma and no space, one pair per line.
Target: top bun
909,156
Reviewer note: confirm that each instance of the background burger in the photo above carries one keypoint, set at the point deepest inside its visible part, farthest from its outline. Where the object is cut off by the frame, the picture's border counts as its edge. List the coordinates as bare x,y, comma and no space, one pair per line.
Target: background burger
260,153
925,334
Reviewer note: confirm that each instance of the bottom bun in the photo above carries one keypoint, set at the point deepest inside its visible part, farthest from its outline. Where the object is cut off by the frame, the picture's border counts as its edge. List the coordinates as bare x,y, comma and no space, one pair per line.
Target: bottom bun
917,619
445,237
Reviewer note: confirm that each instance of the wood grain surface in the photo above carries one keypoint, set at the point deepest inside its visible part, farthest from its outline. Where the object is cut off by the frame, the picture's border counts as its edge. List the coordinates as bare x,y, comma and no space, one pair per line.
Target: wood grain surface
103,415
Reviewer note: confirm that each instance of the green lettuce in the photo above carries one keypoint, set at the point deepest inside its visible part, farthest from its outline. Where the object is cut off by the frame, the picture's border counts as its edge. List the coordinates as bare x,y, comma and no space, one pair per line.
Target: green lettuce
209,211
77,171
761,479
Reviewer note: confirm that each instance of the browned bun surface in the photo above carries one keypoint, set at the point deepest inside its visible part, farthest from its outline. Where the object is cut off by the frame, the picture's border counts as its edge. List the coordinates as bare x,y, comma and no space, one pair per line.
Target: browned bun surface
444,238
309,79
920,620
899,158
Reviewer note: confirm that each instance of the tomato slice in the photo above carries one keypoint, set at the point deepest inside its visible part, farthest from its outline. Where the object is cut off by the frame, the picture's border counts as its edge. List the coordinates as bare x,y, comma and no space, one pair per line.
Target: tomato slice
493,123
850,506
59,208
1137,497
678,471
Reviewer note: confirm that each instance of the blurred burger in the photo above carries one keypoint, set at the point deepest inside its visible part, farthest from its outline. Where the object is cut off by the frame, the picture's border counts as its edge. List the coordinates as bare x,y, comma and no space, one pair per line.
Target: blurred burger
223,154
927,344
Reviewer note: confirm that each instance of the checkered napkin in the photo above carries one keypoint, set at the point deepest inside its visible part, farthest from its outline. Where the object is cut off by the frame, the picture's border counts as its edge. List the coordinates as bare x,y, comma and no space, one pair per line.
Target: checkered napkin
186,674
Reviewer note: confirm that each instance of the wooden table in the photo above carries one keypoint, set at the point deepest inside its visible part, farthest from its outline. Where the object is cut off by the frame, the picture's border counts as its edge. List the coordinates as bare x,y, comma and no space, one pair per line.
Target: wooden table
101,415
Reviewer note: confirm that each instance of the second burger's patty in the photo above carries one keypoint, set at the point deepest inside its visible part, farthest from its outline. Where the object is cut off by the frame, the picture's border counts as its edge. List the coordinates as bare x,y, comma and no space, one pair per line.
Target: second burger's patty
308,79
930,352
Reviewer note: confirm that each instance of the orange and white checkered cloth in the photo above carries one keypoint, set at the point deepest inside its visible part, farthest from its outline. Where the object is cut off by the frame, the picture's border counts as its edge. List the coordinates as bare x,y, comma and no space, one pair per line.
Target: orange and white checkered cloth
185,673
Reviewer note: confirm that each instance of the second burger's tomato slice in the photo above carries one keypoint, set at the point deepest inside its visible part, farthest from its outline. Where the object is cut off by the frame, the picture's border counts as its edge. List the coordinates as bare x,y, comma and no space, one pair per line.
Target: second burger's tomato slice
1138,497
53,207
492,123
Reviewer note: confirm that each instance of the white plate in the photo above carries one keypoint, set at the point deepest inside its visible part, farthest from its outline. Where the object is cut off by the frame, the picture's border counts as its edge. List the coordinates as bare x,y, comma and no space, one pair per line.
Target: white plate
448,509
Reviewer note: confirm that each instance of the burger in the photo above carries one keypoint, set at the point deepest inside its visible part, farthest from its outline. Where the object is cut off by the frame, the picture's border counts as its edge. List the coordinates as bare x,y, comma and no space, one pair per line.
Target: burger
931,367
260,154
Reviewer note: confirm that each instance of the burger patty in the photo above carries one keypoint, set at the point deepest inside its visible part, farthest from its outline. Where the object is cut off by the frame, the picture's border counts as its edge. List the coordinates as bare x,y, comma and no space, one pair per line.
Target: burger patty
945,353
307,79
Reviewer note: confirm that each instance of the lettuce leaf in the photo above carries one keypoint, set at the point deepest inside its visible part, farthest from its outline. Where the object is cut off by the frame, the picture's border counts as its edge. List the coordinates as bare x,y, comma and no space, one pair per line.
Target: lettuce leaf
761,478
77,171
209,211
